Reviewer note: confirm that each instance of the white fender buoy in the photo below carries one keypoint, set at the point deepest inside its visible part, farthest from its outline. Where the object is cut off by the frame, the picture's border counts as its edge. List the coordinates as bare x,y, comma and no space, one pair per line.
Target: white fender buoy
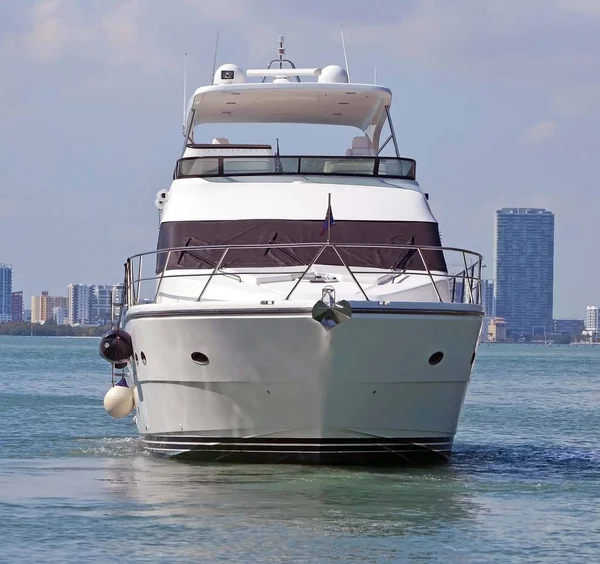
136,396
118,401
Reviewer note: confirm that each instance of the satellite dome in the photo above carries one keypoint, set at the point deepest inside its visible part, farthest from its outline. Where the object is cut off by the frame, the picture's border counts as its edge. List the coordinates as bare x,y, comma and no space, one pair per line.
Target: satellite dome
333,73
229,74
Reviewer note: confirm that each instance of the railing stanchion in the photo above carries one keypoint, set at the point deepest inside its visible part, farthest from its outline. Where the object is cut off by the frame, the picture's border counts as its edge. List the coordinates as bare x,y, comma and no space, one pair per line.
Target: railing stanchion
430,276
217,266
162,274
480,300
139,279
351,274
128,290
467,278
133,284
310,265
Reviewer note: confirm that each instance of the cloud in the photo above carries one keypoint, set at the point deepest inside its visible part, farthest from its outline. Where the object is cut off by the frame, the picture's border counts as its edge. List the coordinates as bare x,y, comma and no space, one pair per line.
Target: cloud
589,7
548,46
121,25
50,30
541,132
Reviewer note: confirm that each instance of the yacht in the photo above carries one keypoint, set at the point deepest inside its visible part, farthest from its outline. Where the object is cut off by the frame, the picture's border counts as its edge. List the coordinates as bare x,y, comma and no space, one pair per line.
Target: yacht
298,308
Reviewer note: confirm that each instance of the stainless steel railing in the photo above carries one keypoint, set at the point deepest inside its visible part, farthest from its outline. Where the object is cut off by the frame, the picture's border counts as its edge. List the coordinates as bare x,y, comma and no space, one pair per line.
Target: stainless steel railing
464,285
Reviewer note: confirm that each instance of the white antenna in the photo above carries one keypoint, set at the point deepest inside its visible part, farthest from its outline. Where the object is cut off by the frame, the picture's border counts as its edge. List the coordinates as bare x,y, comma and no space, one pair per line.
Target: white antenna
184,93
212,76
375,77
281,51
345,55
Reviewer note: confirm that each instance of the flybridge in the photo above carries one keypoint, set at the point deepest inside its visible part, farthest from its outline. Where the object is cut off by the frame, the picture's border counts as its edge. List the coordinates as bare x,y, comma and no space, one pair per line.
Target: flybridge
280,95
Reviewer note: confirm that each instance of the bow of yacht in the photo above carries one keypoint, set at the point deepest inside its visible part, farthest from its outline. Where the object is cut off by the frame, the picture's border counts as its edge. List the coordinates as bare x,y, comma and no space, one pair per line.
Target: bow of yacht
298,308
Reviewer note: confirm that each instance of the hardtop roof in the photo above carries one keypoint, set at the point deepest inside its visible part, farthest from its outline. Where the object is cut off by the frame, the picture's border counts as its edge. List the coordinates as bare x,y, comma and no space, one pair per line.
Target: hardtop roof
357,105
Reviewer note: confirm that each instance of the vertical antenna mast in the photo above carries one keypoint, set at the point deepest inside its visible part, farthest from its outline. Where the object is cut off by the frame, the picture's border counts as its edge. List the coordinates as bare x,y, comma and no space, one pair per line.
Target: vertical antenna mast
212,76
184,93
345,55
281,51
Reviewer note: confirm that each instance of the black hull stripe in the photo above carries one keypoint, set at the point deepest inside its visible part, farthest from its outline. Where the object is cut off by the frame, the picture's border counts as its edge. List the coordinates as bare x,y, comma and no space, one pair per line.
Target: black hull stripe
269,311
291,445
264,448
367,451
346,450
270,441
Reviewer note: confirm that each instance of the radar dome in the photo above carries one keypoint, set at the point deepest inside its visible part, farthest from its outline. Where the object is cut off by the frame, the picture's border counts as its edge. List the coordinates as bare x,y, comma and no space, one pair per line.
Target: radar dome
333,73
229,74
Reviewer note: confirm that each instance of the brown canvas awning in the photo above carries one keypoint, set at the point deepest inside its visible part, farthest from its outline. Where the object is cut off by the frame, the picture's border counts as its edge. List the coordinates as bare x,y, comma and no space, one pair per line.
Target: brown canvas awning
281,231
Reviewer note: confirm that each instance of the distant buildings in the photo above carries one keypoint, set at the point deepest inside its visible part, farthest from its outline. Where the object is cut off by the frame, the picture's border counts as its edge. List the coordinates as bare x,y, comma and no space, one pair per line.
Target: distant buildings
592,321
573,327
487,297
496,330
90,304
5,293
117,300
17,306
101,304
85,304
60,316
42,307
524,270
11,303
79,300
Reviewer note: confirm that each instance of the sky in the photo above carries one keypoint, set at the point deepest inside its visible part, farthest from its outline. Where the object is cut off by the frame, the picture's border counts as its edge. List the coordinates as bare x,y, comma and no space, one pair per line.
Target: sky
497,100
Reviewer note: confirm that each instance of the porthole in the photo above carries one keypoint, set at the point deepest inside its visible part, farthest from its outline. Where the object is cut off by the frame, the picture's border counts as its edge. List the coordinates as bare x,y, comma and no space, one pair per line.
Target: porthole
136,358
436,358
143,357
200,358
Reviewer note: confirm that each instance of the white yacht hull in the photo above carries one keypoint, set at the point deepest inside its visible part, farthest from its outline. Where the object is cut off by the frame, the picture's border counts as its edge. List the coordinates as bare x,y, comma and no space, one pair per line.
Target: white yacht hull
279,387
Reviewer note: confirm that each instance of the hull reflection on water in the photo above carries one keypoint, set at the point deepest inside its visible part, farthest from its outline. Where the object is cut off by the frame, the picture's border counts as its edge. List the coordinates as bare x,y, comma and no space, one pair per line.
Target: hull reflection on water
324,500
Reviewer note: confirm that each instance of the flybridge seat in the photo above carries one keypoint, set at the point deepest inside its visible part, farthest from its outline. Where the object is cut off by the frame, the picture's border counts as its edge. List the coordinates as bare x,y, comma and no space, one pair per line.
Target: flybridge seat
222,146
361,147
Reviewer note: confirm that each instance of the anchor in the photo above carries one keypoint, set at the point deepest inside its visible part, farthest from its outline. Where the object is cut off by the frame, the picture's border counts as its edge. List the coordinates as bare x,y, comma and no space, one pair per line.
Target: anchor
329,313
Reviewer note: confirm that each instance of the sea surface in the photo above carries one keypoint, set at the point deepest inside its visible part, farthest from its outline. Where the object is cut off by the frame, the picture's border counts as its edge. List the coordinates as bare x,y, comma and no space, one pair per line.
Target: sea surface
523,484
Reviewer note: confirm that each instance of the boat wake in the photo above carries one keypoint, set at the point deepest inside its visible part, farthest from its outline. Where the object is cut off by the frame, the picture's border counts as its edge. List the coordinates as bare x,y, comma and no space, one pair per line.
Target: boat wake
108,447
535,462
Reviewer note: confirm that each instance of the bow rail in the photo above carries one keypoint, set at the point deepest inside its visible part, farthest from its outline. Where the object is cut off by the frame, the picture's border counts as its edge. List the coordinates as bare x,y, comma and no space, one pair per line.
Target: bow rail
463,278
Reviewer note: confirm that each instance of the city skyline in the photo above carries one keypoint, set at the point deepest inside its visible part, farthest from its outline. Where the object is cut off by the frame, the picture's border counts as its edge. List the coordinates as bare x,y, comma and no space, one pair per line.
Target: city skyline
520,242
84,304
486,95
489,300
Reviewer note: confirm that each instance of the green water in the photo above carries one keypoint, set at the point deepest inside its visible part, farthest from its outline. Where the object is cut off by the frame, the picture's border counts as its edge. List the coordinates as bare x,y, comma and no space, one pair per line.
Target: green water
523,484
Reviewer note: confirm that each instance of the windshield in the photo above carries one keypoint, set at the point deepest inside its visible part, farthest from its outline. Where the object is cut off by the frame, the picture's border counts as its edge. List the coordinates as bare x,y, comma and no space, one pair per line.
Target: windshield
302,165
